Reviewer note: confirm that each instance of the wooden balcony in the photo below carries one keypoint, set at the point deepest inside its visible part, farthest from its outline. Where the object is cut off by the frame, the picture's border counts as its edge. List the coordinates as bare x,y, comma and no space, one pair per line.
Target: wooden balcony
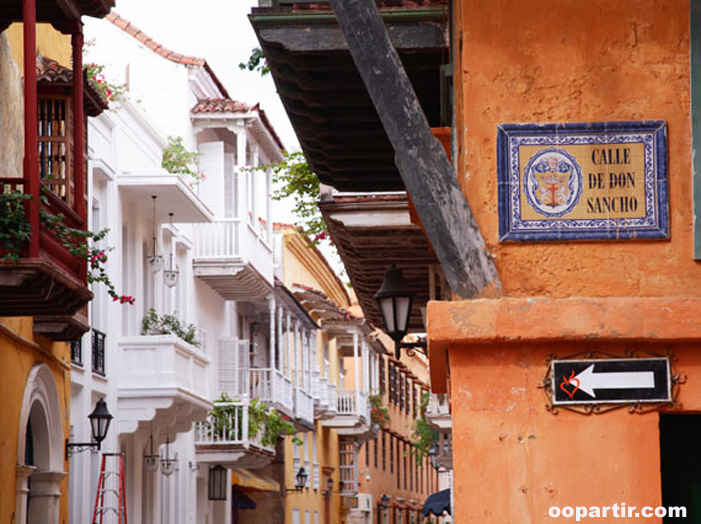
50,283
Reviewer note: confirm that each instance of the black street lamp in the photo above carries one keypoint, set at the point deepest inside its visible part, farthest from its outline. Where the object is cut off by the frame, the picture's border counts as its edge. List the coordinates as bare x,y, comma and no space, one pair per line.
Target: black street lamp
100,420
395,300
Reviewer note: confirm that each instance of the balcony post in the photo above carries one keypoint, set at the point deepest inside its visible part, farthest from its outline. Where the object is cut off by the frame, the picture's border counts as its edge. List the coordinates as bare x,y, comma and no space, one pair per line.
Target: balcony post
288,368
365,355
243,175
296,351
280,357
311,363
79,133
269,204
271,349
357,372
253,196
31,131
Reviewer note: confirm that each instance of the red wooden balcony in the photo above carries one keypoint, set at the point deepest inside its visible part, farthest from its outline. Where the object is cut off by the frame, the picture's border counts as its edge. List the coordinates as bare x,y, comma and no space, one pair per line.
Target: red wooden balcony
43,279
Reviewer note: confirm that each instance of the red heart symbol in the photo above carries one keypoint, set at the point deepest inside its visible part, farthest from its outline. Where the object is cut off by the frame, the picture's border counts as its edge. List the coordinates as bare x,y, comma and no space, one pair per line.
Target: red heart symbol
569,382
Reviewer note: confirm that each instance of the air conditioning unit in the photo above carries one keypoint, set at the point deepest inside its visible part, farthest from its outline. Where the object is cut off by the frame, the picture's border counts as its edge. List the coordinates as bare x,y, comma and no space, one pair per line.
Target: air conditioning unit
365,502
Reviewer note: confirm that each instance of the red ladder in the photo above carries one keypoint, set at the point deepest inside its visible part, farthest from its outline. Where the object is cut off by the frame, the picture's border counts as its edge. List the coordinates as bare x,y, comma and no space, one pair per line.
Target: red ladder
104,500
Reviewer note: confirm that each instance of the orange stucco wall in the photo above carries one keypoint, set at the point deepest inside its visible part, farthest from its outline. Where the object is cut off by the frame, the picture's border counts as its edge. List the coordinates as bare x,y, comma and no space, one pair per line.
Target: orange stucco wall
21,353
536,61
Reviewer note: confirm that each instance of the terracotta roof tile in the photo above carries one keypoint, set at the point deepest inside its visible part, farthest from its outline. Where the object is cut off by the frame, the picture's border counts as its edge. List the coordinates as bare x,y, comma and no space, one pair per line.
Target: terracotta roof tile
226,105
220,105
51,72
158,48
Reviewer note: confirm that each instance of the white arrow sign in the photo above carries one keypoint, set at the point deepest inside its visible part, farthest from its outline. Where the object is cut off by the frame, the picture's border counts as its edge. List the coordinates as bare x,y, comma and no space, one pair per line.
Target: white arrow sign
589,381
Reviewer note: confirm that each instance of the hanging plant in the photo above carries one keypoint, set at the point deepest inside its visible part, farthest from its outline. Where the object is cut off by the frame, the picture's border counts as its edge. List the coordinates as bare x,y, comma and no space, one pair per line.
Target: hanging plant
379,413
108,91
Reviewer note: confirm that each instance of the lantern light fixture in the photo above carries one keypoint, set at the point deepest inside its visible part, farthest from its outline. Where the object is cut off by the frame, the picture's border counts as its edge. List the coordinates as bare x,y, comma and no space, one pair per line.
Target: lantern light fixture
155,261
151,460
167,463
384,500
217,483
170,276
300,480
100,420
395,300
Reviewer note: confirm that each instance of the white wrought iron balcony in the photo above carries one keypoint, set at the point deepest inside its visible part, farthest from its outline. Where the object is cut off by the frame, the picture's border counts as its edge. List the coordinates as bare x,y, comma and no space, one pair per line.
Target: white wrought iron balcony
234,258
161,378
273,388
224,438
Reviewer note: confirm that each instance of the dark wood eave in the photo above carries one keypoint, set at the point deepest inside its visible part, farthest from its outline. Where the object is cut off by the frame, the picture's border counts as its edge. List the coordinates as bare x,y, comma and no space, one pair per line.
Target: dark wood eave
61,14
367,247
336,123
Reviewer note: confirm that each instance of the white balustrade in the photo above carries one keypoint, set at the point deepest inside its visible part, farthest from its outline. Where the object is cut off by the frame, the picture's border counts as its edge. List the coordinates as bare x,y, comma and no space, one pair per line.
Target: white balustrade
346,402
229,427
304,405
220,239
271,387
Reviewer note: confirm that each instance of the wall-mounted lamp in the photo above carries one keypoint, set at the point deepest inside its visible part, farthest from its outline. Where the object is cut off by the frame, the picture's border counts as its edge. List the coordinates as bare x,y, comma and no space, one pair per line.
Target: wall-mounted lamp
384,500
167,463
255,328
217,483
329,488
300,480
100,420
151,460
170,276
394,300
155,261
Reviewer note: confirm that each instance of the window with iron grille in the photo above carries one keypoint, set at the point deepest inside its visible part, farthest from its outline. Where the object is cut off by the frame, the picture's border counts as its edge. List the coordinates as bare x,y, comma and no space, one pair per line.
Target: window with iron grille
384,453
77,352
409,388
392,383
415,403
391,453
374,448
367,454
399,467
401,385
381,366
405,464
98,352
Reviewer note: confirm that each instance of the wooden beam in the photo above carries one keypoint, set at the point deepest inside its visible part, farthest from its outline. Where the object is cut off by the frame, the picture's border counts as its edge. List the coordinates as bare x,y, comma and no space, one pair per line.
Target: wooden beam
422,162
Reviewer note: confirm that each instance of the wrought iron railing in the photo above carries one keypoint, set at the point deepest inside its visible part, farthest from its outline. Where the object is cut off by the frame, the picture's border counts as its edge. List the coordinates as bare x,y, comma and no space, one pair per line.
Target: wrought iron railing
98,352
77,352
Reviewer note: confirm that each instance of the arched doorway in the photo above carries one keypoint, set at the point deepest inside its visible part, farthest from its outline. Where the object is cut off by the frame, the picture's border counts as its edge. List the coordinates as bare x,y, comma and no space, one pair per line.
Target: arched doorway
39,450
